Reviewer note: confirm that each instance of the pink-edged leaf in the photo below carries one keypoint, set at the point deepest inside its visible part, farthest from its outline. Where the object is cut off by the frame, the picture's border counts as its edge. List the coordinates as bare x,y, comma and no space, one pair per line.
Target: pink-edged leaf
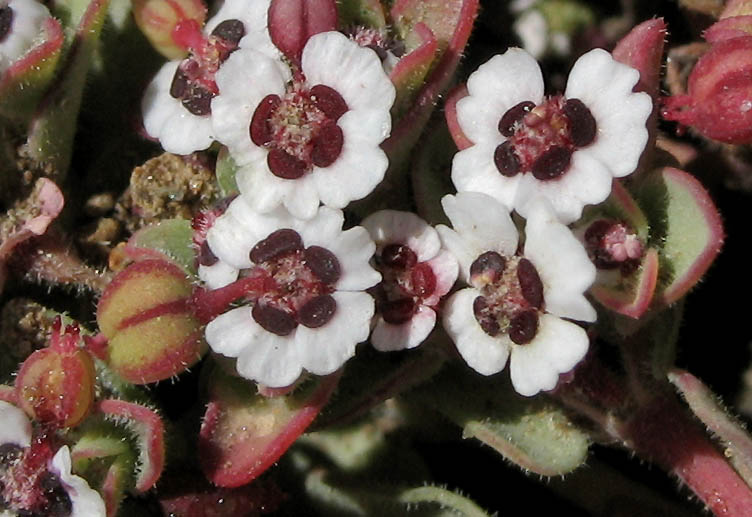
42,207
170,240
694,232
438,16
23,83
621,203
631,298
642,49
189,498
450,111
149,431
52,130
292,22
410,71
369,13
244,433
706,406
728,28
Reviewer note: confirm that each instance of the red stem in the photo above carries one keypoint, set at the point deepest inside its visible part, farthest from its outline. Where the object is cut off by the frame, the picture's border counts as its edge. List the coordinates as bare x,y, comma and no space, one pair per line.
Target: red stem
208,304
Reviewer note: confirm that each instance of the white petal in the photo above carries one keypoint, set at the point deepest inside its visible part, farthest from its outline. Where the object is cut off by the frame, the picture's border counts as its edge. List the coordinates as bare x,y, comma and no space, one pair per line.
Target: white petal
482,222
387,337
557,347
271,360
474,170
366,125
217,275
254,17
445,268
461,250
232,332
485,354
325,349
16,427
25,30
586,182
332,59
300,196
397,227
497,85
562,263
354,249
85,501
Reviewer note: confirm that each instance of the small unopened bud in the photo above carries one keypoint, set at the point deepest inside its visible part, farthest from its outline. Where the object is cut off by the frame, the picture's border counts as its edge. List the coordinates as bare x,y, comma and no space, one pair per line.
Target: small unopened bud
56,384
158,20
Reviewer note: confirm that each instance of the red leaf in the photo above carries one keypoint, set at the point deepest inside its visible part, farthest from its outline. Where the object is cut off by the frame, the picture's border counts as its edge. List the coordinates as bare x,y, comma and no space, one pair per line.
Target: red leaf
292,22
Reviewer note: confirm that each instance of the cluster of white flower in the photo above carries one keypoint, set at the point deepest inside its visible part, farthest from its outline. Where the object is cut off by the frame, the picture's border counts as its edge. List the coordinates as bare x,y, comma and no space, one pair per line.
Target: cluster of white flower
309,135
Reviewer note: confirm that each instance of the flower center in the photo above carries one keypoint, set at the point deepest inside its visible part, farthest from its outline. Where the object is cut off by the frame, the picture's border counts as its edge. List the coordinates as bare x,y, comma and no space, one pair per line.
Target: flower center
511,296
542,138
193,82
28,488
405,283
299,283
299,129
612,245
6,20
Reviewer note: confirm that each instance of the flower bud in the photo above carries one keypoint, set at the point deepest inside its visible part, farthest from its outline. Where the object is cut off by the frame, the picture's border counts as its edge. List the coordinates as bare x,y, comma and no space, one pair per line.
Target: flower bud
56,384
159,19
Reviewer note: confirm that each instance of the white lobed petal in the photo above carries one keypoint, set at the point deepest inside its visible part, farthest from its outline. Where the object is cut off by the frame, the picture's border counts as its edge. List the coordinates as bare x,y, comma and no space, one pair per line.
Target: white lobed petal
354,249
272,360
85,501
217,275
605,86
499,84
586,182
462,251
562,263
253,14
474,170
557,348
485,354
325,349
355,72
234,331
16,426
445,268
387,337
397,227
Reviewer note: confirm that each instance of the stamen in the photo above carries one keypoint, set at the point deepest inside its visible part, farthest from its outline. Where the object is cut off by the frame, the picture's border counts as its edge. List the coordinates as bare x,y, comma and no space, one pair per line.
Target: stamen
398,256
327,145
423,280
6,20
530,283
487,268
552,163
179,84
232,31
523,327
273,320
317,312
329,101
512,116
506,160
198,100
322,263
284,165
485,318
582,126
261,132
275,245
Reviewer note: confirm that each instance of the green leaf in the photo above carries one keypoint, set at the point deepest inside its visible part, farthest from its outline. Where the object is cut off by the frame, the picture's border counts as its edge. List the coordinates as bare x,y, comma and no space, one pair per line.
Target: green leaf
369,13
171,239
226,169
530,432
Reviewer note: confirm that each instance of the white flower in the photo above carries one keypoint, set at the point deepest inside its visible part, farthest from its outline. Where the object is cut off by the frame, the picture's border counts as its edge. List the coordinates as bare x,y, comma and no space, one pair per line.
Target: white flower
181,119
303,281
314,139
416,274
18,485
516,302
565,148
20,28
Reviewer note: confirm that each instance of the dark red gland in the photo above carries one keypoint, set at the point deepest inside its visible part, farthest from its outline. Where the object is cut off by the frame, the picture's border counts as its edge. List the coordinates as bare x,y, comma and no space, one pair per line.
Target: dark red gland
317,311
197,100
523,327
423,280
485,317
278,243
530,283
329,101
179,85
231,31
6,20
273,320
397,311
327,145
505,159
322,263
552,163
398,256
260,130
582,127
284,165
206,256
487,267
512,116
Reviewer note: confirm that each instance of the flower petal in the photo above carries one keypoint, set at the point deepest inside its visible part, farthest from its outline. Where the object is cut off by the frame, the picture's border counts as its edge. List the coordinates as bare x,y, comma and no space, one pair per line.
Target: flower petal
218,275
387,337
397,227
272,360
445,268
482,221
485,354
230,333
354,249
16,428
254,18
474,170
325,349
85,501
557,347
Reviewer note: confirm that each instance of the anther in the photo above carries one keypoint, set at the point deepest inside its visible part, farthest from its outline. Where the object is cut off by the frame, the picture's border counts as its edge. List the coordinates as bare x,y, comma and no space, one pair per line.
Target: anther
512,116
278,243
